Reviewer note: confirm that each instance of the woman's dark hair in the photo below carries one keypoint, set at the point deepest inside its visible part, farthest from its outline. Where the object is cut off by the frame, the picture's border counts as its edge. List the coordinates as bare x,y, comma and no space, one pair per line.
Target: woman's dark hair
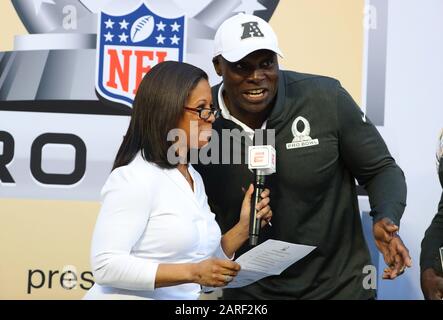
158,108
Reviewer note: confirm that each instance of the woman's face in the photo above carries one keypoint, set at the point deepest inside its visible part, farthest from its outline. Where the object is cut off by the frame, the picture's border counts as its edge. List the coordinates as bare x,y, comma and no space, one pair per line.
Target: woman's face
198,131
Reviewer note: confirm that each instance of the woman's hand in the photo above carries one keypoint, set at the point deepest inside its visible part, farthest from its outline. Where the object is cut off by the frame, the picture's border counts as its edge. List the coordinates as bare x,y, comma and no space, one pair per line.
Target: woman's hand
238,234
214,272
264,213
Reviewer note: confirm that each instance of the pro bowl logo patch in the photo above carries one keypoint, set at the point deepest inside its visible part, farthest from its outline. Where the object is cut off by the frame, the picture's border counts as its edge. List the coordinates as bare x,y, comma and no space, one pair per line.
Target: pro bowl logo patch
128,46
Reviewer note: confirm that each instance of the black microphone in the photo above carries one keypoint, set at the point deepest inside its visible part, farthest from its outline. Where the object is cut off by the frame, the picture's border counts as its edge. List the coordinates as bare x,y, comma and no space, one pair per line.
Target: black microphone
254,222
262,162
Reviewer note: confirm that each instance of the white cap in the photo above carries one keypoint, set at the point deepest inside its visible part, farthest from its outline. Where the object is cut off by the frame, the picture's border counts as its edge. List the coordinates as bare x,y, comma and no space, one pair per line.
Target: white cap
242,34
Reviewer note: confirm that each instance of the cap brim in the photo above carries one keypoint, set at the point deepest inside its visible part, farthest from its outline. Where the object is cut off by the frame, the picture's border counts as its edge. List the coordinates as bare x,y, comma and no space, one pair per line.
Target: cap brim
236,55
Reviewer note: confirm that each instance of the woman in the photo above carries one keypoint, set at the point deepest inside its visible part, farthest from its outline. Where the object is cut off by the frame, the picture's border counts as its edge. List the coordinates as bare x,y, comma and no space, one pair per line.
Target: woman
155,236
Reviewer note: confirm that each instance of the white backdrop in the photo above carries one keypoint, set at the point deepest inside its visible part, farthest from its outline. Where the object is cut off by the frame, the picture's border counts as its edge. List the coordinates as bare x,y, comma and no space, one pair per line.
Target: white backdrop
413,119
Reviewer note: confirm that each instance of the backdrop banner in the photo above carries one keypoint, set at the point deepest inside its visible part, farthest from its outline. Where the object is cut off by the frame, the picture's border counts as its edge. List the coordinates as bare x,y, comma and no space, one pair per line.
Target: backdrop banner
68,74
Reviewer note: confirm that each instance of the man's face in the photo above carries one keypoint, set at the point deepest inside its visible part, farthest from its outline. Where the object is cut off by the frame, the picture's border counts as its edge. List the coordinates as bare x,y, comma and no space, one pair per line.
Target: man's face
251,83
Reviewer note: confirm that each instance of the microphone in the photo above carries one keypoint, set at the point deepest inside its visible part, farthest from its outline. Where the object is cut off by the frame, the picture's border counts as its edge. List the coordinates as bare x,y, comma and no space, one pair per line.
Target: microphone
262,162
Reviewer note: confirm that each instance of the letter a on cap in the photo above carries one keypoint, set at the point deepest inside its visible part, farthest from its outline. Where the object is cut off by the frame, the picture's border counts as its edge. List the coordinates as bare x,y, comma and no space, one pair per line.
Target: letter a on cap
251,29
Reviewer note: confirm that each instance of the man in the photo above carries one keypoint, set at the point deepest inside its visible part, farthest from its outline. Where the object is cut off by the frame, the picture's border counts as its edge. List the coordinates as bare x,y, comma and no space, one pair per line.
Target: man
323,142
430,259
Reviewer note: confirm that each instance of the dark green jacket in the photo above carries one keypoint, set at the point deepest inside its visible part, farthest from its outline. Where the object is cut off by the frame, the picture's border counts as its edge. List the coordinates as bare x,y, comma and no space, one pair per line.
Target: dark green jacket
313,192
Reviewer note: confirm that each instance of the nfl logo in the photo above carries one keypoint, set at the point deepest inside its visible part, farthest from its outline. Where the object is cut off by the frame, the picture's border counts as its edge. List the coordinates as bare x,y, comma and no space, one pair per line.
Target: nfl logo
128,46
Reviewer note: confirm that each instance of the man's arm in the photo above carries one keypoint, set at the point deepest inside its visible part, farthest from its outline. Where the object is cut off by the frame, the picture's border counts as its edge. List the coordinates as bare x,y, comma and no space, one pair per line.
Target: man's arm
365,154
367,157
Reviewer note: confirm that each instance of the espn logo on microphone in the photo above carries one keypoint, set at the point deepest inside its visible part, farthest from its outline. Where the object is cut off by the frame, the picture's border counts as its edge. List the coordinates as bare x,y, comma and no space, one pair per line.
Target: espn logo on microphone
262,158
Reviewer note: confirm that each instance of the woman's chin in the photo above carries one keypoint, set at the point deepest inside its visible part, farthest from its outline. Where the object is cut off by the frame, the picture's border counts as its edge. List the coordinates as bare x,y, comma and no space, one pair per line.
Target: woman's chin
204,144
201,144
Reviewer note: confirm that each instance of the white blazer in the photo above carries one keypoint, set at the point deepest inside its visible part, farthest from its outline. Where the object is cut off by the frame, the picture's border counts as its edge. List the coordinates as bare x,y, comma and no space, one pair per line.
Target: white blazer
150,216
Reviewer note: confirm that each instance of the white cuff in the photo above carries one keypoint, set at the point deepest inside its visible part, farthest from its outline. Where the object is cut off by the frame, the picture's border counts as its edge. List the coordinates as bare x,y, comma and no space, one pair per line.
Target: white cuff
219,253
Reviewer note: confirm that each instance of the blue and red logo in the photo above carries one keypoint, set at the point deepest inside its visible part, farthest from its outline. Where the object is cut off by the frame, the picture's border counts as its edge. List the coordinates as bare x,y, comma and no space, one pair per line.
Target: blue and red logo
128,46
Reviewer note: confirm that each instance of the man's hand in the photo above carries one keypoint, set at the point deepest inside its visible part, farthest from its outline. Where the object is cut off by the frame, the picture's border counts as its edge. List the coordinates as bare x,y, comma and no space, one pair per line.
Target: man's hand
389,243
431,285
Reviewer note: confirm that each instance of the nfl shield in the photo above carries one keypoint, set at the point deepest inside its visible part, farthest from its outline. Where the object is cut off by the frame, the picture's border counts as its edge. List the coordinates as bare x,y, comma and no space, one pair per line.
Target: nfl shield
128,46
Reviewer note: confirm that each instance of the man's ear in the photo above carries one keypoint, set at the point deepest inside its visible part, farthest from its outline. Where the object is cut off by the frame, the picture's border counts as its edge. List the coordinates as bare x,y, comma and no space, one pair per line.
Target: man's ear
216,63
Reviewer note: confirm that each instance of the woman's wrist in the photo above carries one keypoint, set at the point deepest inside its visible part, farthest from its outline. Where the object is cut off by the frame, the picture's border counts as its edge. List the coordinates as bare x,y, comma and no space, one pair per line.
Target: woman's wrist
191,272
236,236
243,229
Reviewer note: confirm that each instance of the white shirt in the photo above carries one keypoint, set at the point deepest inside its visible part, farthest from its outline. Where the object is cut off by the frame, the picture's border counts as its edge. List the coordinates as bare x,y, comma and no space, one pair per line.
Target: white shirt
227,115
150,216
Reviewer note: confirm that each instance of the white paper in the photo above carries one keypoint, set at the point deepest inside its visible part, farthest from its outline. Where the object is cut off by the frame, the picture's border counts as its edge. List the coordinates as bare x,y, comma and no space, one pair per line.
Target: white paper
271,257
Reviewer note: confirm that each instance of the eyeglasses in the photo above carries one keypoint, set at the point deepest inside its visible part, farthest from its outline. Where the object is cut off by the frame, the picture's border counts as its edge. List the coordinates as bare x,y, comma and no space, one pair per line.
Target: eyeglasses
205,113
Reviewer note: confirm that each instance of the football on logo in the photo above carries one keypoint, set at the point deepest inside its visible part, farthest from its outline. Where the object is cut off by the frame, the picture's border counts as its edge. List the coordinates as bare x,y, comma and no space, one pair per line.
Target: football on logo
142,28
